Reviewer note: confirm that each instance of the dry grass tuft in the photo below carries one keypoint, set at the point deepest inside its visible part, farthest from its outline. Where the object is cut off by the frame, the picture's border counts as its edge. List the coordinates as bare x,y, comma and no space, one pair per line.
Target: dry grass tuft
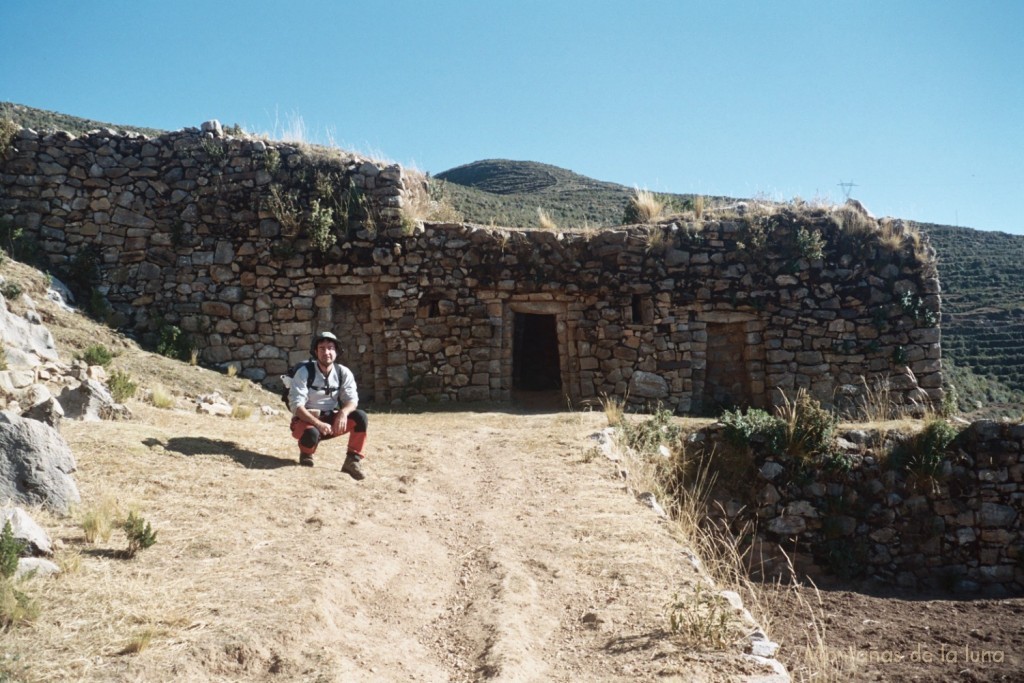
614,409
699,206
99,519
241,412
646,206
138,642
545,221
161,398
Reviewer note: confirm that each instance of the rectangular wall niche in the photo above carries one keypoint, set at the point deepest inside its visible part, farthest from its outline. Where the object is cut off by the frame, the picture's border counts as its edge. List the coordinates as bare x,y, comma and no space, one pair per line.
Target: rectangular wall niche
535,359
734,373
351,319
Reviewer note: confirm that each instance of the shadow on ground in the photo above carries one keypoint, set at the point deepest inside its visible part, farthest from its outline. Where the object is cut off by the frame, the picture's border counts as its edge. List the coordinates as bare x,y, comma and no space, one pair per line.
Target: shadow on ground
199,445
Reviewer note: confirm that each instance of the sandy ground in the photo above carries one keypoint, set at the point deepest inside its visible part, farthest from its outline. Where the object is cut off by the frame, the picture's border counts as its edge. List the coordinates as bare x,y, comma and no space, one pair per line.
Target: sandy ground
482,546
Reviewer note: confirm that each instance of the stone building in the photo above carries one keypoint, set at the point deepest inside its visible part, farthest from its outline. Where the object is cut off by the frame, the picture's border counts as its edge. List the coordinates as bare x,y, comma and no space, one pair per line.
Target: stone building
250,246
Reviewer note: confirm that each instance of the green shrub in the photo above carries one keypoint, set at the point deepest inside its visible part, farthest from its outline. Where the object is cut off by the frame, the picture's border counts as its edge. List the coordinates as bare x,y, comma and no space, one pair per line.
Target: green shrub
754,428
10,290
810,244
15,244
321,227
121,386
10,550
810,429
174,343
140,534
702,618
923,453
15,607
97,354
645,436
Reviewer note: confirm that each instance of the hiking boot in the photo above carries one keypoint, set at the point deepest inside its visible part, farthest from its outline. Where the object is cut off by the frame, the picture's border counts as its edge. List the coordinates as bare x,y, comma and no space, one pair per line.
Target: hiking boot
306,459
352,467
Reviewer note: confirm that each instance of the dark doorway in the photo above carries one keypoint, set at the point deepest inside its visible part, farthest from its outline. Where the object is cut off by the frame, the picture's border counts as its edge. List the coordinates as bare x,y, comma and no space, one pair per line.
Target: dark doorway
535,365
351,321
727,378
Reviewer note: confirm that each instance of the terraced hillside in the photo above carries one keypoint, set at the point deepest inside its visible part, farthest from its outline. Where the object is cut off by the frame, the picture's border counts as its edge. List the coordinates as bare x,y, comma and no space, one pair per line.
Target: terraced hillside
982,277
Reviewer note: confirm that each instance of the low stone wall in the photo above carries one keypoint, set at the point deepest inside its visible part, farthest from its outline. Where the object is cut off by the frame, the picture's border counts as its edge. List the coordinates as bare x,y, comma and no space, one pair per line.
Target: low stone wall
251,246
852,514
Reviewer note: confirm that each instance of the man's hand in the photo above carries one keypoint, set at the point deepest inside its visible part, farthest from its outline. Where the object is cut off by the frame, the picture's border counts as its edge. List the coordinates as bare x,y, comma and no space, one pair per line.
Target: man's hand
323,428
340,423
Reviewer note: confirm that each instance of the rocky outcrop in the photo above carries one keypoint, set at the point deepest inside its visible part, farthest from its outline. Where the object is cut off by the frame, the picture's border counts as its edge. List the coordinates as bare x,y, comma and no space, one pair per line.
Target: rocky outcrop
36,465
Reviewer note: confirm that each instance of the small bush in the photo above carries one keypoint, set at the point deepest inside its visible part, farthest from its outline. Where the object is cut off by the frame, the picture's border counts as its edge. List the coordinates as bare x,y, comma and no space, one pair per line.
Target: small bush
10,550
97,354
809,244
754,428
703,618
810,429
923,453
174,343
10,290
121,386
646,436
139,533
321,227
15,607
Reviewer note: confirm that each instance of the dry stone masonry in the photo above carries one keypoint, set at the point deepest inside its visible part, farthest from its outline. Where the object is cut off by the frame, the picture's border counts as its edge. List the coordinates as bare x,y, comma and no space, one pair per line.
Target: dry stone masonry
249,246
959,529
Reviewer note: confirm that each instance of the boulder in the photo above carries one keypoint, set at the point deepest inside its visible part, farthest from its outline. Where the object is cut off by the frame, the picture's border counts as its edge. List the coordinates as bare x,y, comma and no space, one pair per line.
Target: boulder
35,465
35,567
28,338
648,385
25,529
89,401
42,406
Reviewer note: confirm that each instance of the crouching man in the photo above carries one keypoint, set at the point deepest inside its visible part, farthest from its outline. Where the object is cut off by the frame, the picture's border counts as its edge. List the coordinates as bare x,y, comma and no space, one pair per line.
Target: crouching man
323,400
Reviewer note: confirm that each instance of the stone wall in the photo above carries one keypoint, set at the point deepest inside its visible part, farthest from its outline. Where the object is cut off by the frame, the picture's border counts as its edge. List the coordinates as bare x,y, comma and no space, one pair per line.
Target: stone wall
854,514
738,308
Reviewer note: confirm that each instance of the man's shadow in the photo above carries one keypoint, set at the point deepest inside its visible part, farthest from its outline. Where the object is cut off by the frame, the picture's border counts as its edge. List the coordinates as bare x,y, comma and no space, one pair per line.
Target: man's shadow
200,445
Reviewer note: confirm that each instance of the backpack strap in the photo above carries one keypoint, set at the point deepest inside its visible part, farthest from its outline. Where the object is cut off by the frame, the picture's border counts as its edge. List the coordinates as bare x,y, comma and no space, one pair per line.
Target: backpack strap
311,373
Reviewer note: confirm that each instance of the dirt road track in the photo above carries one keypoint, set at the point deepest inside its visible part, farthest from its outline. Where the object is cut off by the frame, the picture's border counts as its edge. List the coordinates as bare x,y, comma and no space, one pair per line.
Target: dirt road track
482,546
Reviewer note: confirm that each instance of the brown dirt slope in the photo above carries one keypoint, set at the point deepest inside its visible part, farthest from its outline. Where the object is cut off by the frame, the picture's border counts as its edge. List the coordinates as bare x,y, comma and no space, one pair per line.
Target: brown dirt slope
475,549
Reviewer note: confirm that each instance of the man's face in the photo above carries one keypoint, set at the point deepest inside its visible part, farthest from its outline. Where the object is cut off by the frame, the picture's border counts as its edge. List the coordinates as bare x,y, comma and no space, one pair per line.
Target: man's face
326,352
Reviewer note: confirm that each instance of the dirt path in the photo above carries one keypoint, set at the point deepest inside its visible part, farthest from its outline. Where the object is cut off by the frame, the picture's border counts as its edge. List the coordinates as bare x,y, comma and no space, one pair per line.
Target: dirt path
482,546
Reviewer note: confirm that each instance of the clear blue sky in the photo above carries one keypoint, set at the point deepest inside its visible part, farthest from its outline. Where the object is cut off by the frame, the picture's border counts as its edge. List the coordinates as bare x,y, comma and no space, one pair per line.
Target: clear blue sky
919,103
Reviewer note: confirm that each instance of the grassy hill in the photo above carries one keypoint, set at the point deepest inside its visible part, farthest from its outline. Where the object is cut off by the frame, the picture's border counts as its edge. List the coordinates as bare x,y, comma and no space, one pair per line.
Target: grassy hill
982,272
508,193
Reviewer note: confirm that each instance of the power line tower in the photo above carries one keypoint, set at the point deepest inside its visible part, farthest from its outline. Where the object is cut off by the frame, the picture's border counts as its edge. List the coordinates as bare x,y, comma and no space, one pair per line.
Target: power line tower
847,186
